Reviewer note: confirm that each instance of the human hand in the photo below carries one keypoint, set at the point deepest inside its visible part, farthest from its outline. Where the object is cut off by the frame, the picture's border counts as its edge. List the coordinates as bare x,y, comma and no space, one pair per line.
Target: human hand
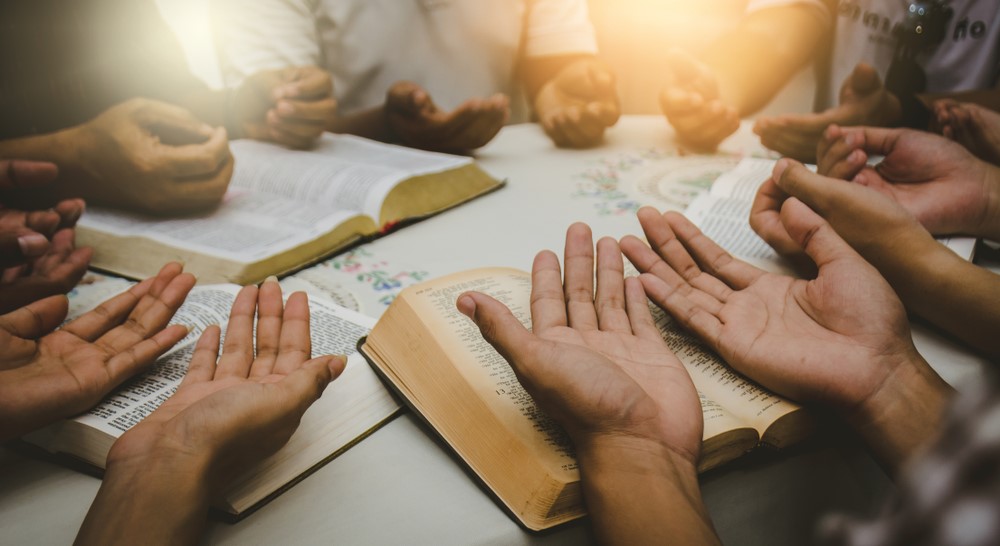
973,126
939,182
47,375
693,105
231,411
578,103
864,100
152,157
780,331
24,235
291,106
56,271
415,120
595,362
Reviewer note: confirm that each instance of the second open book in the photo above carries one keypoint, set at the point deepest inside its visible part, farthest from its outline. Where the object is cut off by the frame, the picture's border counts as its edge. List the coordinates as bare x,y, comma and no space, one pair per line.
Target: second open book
439,362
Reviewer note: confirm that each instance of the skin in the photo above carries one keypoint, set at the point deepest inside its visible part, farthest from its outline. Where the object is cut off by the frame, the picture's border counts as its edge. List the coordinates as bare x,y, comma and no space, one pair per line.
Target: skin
48,374
864,100
410,117
56,271
939,182
229,412
841,340
140,155
932,281
291,106
971,125
596,363
575,99
705,96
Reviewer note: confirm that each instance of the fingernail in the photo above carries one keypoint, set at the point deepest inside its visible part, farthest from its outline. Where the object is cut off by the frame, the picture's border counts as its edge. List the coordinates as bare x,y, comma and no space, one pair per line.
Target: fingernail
33,244
856,157
850,139
779,169
272,278
285,108
466,305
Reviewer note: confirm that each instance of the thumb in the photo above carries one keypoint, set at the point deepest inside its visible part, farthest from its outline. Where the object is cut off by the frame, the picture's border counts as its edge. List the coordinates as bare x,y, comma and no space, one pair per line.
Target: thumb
36,319
20,246
175,125
824,195
865,79
500,328
20,174
813,234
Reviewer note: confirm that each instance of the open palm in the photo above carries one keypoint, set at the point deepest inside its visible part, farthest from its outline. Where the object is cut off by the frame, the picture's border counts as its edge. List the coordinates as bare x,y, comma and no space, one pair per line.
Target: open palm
811,340
596,363
51,375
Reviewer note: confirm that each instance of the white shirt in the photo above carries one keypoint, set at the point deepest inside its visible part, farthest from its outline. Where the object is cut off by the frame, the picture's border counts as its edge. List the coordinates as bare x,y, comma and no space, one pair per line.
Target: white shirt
968,58
456,49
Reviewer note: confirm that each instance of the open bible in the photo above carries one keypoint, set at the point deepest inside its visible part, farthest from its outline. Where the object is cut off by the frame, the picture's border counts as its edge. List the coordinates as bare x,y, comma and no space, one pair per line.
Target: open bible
353,406
722,214
286,209
439,363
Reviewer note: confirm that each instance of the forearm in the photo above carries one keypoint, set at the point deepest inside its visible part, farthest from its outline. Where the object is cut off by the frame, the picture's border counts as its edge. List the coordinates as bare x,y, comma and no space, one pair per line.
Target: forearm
787,38
59,147
369,123
636,494
948,291
537,71
162,502
904,414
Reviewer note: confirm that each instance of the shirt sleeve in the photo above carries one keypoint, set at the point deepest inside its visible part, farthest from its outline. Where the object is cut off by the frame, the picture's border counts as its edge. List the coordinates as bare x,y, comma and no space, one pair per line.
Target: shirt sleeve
558,27
264,35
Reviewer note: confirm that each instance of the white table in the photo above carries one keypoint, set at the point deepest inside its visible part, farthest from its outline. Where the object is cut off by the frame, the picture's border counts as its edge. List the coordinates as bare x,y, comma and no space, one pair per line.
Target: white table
399,487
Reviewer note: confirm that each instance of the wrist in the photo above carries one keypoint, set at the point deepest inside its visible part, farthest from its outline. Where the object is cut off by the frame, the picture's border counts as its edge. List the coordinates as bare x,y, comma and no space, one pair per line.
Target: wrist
989,224
904,412
632,458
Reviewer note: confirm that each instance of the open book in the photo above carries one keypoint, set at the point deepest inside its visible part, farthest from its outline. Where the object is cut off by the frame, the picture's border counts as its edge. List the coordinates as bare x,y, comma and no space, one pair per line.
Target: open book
353,406
437,360
723,212
286,209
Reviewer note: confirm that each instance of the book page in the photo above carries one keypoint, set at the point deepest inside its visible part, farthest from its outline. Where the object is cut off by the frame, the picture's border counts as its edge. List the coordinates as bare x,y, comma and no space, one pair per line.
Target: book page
747,401
490,376
342,171
247,226
334,331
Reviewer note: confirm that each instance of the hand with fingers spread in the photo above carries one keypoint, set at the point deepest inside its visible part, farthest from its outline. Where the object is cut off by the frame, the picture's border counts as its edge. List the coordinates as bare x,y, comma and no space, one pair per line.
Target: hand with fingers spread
971,125
864,100
48,374
56,271
577,104
693,105
414,120
291,106
841,339
931,280
597,364
939,182
229,412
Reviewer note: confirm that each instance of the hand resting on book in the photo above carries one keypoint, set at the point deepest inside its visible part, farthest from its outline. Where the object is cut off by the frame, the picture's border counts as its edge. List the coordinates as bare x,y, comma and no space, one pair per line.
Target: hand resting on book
598,365
48,374
841,339
229,412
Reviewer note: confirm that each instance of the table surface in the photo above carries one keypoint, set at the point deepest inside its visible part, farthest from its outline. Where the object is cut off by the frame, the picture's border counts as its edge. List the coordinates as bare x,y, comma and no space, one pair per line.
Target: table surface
400,487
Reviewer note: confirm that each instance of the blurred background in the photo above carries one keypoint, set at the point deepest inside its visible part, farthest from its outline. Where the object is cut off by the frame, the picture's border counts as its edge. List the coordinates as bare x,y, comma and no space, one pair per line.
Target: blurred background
634,36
